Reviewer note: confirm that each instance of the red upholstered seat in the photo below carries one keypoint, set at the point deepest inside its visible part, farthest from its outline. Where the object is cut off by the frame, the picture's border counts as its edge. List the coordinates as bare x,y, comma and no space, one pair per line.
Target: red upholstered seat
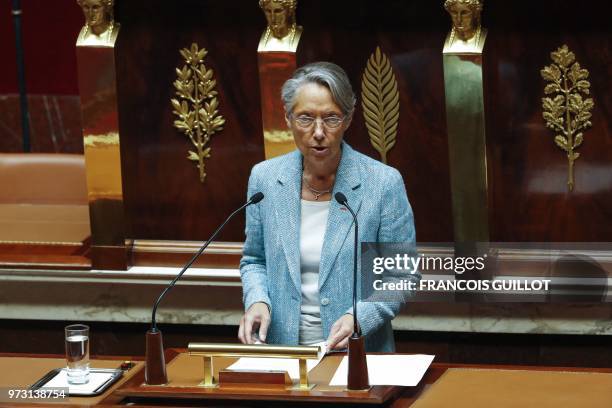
43,199
42,178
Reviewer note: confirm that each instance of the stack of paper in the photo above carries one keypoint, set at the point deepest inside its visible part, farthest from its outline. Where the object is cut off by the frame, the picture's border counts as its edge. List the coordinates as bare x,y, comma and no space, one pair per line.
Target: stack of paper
96,380
391,369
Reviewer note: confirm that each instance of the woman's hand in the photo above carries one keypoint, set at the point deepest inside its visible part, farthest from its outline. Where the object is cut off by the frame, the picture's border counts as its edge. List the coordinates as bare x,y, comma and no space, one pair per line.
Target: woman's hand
257,317
340,332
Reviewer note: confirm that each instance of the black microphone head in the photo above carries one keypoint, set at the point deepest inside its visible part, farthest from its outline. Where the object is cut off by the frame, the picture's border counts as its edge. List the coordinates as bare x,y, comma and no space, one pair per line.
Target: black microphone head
257,197
341,198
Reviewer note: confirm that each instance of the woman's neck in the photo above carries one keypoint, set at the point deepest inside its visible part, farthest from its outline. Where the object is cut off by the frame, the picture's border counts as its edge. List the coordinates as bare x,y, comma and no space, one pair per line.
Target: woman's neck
321,173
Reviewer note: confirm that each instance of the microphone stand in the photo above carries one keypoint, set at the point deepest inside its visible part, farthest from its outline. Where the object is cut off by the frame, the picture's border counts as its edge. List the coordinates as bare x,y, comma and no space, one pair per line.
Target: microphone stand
155,362
23,97
358,379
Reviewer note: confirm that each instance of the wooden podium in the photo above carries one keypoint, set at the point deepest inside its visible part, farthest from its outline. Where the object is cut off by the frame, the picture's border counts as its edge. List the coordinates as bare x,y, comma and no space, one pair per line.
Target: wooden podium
185,373
453,385
444,384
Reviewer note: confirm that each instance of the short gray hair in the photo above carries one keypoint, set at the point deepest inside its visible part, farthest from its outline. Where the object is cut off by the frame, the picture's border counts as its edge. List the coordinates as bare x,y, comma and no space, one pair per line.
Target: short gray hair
326,74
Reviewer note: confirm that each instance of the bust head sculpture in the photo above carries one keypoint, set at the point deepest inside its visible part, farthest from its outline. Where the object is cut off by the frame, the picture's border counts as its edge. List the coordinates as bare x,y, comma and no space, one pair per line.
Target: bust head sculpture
98,15
465,15
280,15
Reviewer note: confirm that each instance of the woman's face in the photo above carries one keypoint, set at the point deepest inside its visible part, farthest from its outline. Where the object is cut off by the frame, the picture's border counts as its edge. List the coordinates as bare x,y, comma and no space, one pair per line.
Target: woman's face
320,139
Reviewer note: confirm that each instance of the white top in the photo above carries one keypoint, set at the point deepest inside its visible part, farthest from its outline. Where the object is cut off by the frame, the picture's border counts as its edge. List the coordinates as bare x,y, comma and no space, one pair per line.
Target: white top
312,232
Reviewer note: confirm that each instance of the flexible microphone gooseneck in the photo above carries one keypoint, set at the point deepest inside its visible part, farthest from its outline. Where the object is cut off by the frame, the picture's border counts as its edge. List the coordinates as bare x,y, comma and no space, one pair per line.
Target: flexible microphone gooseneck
341,199
255,198
358,378
155,366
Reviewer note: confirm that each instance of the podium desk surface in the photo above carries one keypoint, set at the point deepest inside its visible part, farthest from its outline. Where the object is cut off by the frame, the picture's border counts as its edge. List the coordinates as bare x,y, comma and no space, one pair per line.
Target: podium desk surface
20,371
456,385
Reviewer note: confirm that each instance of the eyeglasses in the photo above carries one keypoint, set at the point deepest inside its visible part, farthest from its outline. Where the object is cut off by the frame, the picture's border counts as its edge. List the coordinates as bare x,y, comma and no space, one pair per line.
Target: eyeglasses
330,122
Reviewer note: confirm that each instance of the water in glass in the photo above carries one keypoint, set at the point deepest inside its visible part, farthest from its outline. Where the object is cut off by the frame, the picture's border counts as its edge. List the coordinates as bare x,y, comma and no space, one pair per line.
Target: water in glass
77,353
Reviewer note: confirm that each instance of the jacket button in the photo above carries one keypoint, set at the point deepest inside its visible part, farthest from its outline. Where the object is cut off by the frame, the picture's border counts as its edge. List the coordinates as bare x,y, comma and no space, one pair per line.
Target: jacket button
325,301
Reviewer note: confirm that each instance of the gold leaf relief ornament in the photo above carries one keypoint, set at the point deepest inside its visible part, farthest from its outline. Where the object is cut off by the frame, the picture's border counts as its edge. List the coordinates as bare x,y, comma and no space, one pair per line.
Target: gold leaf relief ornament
196,105
566,111
380,102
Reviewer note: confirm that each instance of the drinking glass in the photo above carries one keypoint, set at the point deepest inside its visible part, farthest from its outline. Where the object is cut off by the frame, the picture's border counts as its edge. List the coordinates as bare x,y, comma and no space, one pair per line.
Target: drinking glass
77,353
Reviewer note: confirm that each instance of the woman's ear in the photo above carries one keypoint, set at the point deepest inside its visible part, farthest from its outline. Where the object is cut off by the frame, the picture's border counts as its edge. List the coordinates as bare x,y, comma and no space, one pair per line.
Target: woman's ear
287,120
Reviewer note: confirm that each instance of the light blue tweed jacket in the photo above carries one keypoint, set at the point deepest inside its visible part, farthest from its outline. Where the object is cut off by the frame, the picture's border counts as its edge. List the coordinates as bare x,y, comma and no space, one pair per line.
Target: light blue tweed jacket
270,265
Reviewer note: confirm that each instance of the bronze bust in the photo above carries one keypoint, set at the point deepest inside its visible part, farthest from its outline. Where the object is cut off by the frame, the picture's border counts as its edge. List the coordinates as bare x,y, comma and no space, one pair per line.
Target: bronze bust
282,32
467,33
100,27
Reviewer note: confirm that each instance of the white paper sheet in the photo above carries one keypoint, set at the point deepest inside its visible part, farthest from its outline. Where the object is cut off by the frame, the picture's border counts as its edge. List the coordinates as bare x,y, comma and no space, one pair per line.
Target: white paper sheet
392,369
291,365
96,379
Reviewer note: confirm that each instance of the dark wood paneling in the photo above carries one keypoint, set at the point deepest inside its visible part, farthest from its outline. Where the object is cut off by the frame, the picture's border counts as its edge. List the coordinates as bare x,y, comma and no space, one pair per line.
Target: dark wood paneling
49,30
529,199
461,348
45,256
411,34
55,124
527,172
172,253
164,199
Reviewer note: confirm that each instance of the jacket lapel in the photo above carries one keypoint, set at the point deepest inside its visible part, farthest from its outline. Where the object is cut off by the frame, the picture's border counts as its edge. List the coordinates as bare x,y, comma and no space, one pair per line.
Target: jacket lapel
340,221
288,208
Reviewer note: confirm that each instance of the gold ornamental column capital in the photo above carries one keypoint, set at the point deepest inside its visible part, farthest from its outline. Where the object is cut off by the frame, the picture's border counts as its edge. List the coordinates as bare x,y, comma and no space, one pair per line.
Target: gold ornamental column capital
100,28
282,32
276,55
465,120
467,34
96,69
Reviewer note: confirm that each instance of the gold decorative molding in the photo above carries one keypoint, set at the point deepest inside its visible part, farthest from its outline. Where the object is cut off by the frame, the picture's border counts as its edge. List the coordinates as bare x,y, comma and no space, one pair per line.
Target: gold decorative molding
278,136
197,105
380,102
109,139
565,111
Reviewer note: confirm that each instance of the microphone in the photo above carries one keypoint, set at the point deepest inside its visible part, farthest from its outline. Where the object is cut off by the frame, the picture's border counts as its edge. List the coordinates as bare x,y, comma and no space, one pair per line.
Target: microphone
155,366
357,362
255,198
341,199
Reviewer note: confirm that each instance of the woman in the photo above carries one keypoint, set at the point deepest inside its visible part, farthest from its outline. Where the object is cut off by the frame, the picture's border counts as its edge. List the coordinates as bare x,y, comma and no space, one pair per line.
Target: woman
297,262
